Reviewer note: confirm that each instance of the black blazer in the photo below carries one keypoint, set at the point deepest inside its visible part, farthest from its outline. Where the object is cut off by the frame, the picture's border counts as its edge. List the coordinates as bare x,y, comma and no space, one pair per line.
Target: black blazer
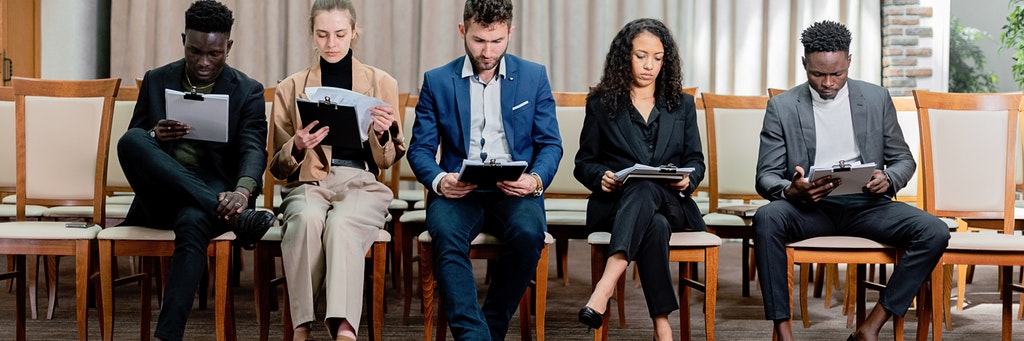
604,146
245,153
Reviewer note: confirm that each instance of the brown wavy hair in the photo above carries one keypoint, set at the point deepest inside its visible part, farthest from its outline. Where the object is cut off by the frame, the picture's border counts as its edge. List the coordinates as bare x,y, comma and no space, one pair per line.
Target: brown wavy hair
613,89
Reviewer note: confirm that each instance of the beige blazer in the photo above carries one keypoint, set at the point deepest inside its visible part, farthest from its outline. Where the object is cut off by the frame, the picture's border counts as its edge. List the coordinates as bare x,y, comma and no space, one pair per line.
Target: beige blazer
316,163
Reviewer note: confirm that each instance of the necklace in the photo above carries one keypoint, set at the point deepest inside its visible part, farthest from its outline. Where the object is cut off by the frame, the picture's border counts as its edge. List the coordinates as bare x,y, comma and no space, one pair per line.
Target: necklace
198,88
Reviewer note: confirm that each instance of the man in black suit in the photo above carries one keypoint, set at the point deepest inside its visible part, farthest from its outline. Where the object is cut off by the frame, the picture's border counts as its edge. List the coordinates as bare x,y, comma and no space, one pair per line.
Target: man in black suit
199,189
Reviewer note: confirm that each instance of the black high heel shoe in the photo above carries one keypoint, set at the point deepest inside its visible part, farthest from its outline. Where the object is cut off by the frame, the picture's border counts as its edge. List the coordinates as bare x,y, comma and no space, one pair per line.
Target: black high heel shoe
591,317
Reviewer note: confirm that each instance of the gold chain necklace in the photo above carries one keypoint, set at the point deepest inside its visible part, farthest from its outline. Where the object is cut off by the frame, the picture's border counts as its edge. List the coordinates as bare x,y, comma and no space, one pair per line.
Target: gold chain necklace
198,88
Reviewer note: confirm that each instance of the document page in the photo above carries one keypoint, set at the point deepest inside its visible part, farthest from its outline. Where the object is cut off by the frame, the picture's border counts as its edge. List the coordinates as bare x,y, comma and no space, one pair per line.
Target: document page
665,173
854,175
348,98
208,117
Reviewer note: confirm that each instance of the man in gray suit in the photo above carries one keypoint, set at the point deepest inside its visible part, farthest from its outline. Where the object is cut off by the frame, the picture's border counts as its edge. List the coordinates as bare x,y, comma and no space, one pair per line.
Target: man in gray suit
825,120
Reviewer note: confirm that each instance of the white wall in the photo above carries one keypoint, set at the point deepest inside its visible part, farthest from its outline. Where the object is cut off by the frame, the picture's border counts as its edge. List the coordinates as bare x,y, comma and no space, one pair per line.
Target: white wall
939,42
75,42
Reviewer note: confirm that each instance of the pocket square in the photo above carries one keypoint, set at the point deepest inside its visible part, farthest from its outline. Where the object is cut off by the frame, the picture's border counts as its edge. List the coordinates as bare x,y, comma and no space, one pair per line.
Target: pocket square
520,105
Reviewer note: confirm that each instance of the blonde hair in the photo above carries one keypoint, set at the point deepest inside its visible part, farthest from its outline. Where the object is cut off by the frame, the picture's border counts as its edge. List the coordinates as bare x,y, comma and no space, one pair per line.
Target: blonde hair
321,6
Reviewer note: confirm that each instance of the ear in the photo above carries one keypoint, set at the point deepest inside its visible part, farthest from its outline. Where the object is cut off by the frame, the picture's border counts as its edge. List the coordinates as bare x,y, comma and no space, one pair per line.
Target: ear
511,29
230,42
462,30
182,38
803,61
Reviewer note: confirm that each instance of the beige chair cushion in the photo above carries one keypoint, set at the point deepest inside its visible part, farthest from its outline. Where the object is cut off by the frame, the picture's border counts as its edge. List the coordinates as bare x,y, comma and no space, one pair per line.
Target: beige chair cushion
49,230
985,242
566,218
10,199
678,239
483,239
411,195
565,204
417,216
31,211
113,211
838,242
120,199
398,204
147,234
722,219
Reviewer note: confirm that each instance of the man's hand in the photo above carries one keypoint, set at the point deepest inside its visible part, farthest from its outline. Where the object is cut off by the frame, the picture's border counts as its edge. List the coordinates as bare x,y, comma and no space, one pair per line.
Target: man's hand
801,189
879,183
306,138
522,187
170,130
232,203
608,183
681,185
382,116
451,187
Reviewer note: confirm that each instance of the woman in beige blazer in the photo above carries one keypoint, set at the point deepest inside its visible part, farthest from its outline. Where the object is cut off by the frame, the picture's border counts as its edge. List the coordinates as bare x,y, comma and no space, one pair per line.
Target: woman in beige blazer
334,206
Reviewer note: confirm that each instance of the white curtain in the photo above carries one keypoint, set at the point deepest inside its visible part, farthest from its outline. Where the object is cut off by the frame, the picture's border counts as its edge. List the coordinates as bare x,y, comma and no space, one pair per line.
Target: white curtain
729,46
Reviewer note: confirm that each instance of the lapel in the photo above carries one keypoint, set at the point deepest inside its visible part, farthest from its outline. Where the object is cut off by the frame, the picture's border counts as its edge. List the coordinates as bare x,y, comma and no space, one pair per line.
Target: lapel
860,117
666,131
805,117
313,78
462,104
226,84
508,96
362,78
624,126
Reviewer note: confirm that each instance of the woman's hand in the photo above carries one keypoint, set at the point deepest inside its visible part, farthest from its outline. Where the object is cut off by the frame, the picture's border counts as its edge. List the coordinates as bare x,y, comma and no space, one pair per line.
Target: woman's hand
305,138
383,117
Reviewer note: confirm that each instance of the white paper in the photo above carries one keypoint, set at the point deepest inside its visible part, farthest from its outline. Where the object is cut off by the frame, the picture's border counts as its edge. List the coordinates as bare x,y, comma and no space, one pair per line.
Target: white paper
854,179
645,171
208,118
361,103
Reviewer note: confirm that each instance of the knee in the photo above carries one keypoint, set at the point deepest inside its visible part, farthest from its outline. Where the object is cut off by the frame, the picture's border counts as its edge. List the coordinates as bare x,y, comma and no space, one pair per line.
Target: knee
131,140
935,234
639,190
766,221
304,223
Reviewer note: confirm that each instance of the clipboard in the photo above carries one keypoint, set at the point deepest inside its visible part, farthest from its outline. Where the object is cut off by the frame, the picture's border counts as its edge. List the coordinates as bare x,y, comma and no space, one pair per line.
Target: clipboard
207,115
342,120
854,174
486,175
665,173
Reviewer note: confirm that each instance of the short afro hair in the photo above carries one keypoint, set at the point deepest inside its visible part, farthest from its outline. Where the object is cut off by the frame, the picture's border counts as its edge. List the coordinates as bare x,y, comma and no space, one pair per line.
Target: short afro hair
826,36
487,12
208,16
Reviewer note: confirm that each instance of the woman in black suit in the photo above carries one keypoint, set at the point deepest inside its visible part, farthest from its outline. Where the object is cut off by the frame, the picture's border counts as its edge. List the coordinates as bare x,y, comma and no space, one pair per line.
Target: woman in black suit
638,114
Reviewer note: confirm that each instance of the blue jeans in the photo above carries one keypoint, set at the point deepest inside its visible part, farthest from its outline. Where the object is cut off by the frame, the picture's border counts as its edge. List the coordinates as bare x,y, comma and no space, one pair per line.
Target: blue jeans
452,223
172,197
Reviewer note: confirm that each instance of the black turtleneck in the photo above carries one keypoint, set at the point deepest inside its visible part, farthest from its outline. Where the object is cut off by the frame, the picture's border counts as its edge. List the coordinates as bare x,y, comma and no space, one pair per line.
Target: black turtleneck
339,75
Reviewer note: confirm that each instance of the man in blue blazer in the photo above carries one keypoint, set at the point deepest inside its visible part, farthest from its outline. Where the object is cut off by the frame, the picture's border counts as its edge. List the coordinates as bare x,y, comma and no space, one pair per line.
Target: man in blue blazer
485,106
826,120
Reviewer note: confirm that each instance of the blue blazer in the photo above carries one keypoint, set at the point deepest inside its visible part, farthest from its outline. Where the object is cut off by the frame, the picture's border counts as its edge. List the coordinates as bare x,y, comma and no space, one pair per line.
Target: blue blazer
443,120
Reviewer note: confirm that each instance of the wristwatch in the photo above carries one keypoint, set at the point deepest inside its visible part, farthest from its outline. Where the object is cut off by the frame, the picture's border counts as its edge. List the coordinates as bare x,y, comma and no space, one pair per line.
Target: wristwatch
540,185
152,132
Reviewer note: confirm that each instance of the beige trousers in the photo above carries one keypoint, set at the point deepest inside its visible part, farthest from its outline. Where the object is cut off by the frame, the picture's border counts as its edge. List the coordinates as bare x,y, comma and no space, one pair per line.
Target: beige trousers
329,227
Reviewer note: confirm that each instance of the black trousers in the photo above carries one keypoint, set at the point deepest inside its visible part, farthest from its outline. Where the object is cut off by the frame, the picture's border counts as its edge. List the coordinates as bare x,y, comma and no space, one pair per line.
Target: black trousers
643,223
170,196
922,237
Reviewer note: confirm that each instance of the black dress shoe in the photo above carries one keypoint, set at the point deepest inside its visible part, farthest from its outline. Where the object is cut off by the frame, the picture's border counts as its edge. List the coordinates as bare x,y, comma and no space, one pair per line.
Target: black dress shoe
252,225
591,317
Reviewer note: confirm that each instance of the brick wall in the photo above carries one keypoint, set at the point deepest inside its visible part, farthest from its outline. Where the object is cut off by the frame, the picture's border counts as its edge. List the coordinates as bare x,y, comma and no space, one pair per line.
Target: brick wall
901,45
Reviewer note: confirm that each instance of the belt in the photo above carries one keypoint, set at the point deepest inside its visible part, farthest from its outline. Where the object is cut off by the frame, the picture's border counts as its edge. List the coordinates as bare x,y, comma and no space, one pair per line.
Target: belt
359,164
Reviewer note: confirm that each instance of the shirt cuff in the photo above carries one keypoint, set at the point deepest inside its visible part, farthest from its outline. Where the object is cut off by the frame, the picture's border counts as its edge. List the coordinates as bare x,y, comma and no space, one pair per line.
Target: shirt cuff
437,181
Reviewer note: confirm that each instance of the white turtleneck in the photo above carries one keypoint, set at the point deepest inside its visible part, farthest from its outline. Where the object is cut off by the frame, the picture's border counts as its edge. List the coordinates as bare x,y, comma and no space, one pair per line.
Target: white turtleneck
833,126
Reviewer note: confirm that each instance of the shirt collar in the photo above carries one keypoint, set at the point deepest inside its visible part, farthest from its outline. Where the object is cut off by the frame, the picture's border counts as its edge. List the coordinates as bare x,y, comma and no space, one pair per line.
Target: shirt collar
842,93
467,67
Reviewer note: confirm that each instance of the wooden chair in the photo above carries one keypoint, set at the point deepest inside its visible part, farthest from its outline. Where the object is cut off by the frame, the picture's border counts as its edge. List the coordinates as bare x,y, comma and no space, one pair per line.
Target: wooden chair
686,248
484,246
8,166
733,129
71,173
985,126
408,226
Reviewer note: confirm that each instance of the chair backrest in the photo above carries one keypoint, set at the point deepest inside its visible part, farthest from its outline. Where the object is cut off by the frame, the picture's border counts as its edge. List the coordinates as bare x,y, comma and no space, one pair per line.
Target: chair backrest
408,119
8,148
772,92
967,147
124,108
702,129
269,182
733,130
906,114
63,171
570,109
392,176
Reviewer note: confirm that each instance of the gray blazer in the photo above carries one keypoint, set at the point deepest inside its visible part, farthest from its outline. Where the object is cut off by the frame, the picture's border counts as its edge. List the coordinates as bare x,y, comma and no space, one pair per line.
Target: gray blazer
788,139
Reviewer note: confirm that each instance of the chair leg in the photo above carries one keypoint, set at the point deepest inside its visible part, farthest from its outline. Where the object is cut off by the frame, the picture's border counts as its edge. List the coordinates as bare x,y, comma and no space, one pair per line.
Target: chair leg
261,288
598,258
961,284
524,315
620,300
106,249
684,300
377,305
407,241
52,270
562,258
222,298
19,296
32,273
540,293
820,279
427,284
145,297
745,271
805,273
710,291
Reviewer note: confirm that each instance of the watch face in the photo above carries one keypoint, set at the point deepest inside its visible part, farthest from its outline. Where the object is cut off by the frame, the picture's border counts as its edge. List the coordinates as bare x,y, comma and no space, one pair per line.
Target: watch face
152,133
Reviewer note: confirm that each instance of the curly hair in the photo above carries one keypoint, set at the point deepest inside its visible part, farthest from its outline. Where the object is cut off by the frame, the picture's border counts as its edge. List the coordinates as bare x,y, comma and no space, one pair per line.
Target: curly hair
208,16
488,12
826,36
614,88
